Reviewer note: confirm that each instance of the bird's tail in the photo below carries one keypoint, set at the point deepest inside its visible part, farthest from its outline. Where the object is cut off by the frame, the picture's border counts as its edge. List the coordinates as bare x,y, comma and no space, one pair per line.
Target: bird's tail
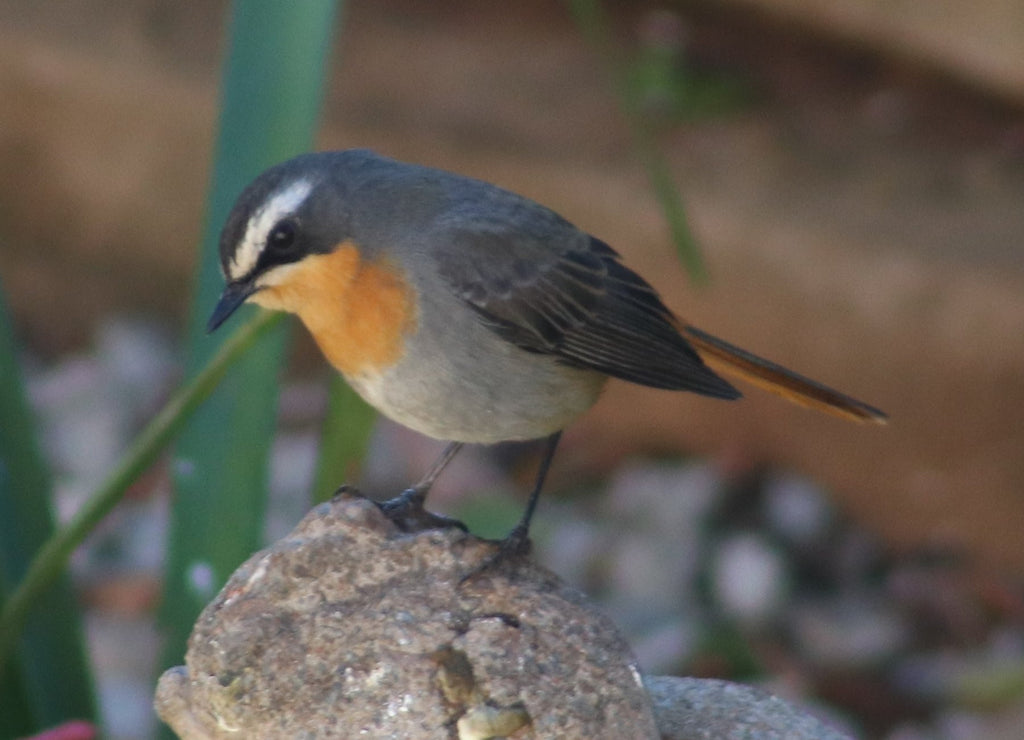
730,359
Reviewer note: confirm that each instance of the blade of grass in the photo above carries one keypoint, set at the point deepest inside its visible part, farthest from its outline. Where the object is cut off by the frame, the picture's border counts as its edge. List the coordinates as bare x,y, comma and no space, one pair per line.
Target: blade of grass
271,97
593,22
49,681
51,560
343,439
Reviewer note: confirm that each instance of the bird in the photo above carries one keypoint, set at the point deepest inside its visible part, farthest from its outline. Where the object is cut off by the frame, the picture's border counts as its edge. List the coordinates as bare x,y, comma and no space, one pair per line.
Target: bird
467,312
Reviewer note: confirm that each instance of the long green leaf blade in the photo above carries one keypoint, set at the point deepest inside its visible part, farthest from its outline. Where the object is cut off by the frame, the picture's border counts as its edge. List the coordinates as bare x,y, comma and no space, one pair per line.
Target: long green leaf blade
344,439
48,679
49,562
270,104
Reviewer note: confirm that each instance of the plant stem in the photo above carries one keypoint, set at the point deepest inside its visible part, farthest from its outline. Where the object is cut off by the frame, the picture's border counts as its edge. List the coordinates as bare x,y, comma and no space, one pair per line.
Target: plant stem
52,558
593,22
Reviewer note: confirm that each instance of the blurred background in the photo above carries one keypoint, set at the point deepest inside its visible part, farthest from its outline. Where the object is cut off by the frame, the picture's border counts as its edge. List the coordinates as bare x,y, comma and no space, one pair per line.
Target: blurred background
853,172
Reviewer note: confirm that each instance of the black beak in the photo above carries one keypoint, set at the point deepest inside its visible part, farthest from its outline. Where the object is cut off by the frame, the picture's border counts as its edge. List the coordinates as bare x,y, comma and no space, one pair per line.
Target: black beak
234,295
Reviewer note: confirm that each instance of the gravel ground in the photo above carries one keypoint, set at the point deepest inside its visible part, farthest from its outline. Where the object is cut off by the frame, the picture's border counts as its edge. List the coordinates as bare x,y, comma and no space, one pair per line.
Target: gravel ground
711,569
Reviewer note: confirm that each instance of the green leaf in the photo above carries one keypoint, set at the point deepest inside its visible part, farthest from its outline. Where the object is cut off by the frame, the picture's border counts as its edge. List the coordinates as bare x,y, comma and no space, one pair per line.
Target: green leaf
344,439
48,563
271,97
48,679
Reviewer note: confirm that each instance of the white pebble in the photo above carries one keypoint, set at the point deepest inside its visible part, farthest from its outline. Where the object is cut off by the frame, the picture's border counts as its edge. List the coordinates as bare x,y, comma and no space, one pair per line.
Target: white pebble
750,579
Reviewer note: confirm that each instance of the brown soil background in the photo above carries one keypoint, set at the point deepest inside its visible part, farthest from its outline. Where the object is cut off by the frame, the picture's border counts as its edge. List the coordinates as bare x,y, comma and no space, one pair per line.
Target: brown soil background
861,217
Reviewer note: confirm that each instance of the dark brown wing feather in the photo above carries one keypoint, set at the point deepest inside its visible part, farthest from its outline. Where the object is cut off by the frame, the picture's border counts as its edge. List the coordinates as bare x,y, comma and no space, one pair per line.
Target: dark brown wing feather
579,304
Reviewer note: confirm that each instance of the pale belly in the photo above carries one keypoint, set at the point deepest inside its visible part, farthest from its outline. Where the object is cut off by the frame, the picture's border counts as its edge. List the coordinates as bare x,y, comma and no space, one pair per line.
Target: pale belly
516,397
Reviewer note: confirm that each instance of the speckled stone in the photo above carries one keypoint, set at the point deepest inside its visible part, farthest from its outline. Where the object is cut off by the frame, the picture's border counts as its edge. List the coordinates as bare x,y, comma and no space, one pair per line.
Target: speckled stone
708,709
349,627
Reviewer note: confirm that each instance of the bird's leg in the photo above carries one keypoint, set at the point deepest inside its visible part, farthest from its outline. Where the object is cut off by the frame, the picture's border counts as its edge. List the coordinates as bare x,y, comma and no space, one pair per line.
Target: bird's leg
407,508
519,537
517,541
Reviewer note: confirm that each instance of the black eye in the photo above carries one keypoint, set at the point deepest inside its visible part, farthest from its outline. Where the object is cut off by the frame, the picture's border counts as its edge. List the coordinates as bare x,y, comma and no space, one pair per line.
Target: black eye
282,238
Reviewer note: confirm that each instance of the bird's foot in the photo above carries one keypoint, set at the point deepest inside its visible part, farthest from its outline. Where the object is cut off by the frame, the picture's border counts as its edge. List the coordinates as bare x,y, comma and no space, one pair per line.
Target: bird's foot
407,512
516,545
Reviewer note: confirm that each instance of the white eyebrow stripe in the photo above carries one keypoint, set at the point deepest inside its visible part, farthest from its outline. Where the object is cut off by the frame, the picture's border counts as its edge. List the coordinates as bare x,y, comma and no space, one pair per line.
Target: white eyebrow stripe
279,205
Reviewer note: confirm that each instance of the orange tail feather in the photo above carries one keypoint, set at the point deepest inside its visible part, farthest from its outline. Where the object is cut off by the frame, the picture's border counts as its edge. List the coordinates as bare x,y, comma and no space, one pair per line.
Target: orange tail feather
730,359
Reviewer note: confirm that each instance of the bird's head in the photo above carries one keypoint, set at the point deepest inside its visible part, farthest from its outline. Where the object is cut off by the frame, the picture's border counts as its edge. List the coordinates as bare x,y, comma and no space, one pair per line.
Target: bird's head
289,214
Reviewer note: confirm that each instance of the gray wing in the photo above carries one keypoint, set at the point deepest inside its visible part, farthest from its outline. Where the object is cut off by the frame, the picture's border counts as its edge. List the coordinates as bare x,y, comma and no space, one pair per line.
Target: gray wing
579,304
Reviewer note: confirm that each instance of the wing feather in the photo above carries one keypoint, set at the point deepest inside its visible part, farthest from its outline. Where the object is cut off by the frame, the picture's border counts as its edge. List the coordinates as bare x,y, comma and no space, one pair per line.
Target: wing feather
579,304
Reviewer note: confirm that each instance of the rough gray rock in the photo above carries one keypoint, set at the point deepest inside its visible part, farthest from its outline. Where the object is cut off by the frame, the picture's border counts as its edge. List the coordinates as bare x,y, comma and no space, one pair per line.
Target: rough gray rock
349,627
706,709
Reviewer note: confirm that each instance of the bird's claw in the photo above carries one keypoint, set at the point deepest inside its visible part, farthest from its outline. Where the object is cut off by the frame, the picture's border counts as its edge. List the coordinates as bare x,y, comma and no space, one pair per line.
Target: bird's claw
407,512
515,545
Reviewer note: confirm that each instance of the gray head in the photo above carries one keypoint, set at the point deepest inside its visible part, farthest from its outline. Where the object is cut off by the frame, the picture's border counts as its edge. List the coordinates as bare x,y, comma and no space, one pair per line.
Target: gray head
292,210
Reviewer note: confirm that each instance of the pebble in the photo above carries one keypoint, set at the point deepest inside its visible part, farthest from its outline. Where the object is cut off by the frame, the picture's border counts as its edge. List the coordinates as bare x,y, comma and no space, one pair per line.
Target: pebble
124,652
750,579
89,406
796,509
293,459
850,631
665,648
987,675
670,499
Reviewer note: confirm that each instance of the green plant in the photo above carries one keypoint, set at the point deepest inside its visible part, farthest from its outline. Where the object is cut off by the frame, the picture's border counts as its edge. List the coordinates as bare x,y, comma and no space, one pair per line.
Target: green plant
45,678
271,98
593,22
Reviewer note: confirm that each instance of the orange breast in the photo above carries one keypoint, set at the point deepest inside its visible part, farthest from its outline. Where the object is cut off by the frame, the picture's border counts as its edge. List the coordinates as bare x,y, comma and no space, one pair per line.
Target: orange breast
358,311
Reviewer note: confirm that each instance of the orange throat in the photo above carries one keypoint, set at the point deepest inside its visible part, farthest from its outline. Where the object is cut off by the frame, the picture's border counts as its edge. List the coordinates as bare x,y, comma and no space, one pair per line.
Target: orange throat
359,312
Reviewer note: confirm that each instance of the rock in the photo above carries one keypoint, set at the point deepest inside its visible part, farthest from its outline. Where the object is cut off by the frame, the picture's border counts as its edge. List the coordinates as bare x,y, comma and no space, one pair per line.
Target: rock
349,626
702,709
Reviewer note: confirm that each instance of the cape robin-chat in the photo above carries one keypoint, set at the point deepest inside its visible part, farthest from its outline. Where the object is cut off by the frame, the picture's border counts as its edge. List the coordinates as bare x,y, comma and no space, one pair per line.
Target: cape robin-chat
464,311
